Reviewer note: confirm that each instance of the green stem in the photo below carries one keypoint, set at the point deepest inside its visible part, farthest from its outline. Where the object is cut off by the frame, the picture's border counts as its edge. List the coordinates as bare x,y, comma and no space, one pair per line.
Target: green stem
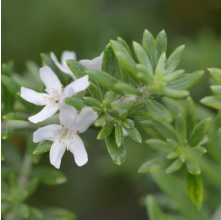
23,180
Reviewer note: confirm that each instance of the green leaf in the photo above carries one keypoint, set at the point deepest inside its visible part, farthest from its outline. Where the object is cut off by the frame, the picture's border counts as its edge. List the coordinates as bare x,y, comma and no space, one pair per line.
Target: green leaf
23,210
195,189
142,57
5,133
110,63
42,147
79,71
199,132
105,80
58,214
176,165
124,43
133,133
145,76
159,145
174,59
181,128
187,81
14,89
160,69
216,74
164,129
135,108
125,59
158,111
212,101
153,208
149,46
172,155
92,101
106,130
193,166
140,116
154,165
161,43
100,121
34,214
119,135
31,186
75,102
174,75
216,89
127,88
118,154
173,105
16,116
172,93
48,175
190,115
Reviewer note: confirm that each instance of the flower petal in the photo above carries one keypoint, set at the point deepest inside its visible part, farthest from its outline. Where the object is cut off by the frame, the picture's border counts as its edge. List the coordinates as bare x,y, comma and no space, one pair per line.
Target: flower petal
93,64
57,152
59,65
86,117
67,114
63,66
45,113
34,97
67,55
51,81
77,86
76,146
49,133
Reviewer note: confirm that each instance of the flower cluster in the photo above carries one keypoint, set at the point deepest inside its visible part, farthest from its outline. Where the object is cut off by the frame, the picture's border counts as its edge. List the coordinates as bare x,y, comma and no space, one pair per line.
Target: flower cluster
72,123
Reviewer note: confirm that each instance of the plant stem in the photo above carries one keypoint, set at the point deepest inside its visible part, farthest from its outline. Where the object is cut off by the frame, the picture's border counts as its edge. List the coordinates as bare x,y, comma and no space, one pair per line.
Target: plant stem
23,180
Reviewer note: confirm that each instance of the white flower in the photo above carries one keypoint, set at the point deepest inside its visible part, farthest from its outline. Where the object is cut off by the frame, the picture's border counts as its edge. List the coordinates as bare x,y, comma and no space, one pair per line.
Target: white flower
55,93
65,136
96,63
63,66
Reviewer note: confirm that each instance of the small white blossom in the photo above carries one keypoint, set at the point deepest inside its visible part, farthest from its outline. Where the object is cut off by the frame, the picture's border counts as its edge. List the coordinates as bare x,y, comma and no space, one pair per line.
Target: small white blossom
96,63
55,93
63,66
66,135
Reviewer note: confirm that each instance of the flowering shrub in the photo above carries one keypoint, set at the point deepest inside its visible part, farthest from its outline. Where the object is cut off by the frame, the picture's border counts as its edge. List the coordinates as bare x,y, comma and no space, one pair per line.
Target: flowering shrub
118,93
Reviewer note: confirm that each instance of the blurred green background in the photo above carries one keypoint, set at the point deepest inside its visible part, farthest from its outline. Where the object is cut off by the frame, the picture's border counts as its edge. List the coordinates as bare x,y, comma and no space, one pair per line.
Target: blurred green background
101,189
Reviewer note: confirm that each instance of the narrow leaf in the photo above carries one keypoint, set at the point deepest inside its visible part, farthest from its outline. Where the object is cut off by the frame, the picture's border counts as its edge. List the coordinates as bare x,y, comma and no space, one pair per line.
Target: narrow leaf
133,133
195,189
106,130
110,63
187,81
75,102
43,147
181,129
199,132
176,165
16,116
216,74
174,59
158,111
119,135
118,154
154,165
161,43
159,145
212,101
48,175
127,88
